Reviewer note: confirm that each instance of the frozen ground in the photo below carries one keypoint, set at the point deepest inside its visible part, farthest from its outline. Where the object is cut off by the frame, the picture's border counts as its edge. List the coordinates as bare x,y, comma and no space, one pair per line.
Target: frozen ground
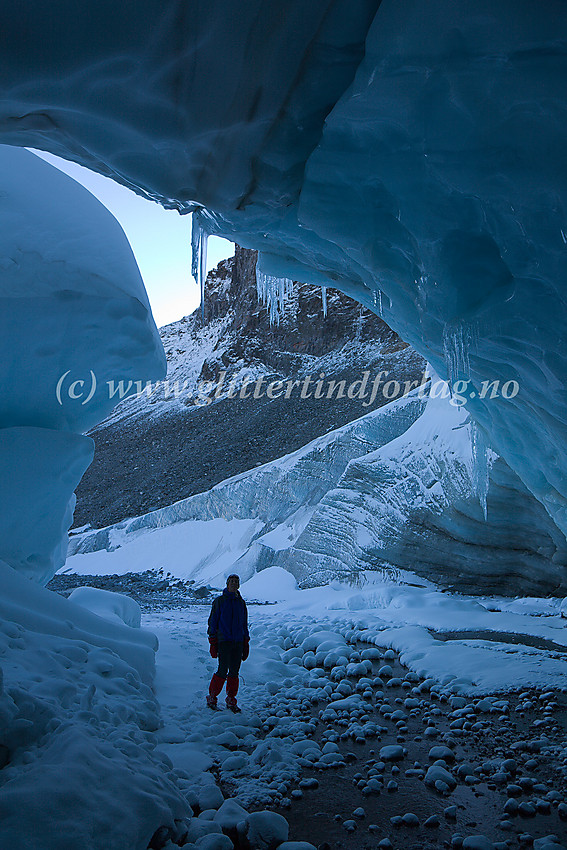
342,716
390,712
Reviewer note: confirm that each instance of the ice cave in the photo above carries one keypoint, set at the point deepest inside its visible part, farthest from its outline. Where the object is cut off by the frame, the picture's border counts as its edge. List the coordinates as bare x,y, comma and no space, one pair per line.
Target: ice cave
412,156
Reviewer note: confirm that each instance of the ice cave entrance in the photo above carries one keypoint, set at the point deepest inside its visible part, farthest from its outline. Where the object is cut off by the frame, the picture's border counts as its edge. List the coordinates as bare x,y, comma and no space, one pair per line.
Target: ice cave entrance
160,240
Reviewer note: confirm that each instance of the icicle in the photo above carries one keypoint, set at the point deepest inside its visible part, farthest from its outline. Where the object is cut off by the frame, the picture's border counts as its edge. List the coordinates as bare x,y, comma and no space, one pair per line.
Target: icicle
273,292
377,300
203,271
456,344
199,240
324,300
481,465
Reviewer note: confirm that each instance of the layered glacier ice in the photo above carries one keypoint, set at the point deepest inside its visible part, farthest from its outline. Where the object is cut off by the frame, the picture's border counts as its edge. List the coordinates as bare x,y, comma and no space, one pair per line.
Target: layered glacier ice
444,165
39,470
73,301
244,520
395,491
415,505
217,107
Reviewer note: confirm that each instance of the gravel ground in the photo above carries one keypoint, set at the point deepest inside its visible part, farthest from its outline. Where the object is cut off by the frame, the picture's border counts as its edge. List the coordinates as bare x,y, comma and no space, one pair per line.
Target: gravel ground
152,589
527,737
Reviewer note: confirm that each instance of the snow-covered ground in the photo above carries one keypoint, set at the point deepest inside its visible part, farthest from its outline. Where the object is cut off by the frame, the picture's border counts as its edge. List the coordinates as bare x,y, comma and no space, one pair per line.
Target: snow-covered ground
101,754
322,655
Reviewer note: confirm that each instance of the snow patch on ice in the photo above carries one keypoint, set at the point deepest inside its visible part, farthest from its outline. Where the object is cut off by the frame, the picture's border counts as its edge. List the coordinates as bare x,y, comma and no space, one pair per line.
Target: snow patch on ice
270,585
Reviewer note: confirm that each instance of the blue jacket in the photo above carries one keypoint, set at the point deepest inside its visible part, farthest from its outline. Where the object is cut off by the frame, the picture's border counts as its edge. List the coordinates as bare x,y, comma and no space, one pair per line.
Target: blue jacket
228,619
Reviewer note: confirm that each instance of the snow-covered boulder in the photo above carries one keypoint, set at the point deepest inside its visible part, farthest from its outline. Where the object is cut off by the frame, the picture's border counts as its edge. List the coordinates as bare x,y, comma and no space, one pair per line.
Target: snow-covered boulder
230,814
116,607
266,830
270,585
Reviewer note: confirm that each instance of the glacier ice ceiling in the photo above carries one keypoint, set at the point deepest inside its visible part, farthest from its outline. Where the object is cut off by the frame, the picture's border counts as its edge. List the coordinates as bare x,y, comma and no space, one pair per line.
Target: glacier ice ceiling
411,153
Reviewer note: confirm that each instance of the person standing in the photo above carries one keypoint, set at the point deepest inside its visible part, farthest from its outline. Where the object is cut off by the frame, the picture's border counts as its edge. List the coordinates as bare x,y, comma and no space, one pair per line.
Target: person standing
229,641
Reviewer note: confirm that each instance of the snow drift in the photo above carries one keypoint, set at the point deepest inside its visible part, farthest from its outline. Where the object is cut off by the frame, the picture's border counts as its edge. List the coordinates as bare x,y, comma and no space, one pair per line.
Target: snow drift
78,717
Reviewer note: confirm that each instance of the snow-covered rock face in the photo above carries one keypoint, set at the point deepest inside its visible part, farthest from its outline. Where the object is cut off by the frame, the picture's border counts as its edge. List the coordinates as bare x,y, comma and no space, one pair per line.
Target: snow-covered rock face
438,177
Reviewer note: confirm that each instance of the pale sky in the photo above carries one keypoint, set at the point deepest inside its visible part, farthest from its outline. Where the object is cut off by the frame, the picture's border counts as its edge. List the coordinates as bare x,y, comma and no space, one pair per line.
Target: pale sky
160,240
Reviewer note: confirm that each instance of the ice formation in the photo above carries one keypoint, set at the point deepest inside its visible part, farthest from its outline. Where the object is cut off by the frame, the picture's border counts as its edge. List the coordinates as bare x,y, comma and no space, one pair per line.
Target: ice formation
273,292
39,470
411,153
249,516
412,150
199,239
74,321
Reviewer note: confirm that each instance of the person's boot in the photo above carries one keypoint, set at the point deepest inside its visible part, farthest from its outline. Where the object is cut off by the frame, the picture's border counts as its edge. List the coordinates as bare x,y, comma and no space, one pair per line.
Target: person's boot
231,691
214,690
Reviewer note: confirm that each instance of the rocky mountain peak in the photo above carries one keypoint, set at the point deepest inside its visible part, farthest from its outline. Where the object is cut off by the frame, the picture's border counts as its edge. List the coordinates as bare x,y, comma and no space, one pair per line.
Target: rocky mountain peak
303,328
213,418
